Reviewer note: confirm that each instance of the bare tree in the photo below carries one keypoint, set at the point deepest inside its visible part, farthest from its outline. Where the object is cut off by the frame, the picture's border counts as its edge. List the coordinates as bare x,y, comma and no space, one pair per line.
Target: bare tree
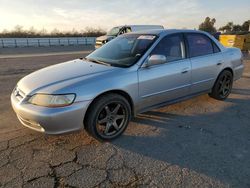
19,31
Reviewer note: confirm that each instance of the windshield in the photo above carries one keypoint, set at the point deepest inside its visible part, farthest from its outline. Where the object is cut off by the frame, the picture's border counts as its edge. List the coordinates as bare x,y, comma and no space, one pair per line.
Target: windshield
123,51
114,31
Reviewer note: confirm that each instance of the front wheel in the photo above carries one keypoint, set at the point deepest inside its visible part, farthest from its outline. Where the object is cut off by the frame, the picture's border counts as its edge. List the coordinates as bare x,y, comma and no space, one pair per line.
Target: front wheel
223,86
108,117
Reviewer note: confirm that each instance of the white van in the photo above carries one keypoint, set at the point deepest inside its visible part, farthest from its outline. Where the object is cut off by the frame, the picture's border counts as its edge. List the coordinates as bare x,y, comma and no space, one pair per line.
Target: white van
119,30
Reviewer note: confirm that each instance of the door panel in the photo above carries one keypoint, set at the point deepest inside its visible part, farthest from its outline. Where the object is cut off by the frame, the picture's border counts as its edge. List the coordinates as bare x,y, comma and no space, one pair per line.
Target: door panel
206,61
161,83
205,71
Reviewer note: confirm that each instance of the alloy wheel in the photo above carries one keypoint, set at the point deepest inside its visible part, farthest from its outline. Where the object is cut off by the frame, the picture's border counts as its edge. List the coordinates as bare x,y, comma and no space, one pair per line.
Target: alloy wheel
111,119
225,85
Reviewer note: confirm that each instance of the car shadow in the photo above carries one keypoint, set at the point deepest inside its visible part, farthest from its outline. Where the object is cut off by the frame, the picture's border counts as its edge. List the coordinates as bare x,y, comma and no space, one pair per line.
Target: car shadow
215,144
240,91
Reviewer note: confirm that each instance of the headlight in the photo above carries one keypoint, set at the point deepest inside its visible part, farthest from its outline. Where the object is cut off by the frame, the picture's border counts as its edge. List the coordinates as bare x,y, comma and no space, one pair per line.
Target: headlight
52,100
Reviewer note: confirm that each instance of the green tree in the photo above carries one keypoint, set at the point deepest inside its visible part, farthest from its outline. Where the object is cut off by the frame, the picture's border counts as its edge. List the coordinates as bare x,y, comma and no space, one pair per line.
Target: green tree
208,25
237,28
245,26
227,28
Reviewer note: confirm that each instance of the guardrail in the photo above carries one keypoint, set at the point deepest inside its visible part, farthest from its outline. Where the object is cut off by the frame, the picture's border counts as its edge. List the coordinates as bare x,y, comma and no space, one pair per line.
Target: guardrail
38,42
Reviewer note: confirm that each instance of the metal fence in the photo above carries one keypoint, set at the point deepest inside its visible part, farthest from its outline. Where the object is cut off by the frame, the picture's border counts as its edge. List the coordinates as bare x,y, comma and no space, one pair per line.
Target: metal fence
38,42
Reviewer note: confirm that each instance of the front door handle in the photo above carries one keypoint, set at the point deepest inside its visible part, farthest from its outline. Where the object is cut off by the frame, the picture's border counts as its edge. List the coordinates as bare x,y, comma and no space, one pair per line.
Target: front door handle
220,62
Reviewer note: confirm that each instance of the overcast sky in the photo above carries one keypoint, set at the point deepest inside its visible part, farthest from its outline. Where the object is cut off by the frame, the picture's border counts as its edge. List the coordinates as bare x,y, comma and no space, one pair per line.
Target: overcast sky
78,14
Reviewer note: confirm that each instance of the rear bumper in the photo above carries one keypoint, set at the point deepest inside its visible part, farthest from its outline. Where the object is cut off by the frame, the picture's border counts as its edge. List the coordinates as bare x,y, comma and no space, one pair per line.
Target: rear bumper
50,120
238,71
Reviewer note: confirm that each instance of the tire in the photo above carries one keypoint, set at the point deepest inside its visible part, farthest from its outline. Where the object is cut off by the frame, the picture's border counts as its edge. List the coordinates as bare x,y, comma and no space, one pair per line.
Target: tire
108,117
223,86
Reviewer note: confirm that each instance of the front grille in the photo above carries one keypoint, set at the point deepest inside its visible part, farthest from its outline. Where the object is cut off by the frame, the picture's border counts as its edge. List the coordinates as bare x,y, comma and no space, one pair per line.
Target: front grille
19,94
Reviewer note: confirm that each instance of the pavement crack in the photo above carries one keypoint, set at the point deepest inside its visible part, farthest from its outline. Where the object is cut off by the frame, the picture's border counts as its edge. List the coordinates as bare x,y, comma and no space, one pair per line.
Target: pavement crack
33,179
76,157
54,176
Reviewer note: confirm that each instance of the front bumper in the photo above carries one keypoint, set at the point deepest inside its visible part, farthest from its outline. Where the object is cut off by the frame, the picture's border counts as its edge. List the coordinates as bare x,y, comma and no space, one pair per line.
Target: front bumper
50,120
98,44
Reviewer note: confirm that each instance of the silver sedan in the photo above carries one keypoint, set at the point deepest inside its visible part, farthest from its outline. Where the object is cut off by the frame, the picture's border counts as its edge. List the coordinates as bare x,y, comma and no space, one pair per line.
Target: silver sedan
131,74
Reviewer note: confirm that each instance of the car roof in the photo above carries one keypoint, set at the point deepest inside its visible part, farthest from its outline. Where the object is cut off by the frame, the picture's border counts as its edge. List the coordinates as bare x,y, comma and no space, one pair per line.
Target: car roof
120,26
164,32
160,32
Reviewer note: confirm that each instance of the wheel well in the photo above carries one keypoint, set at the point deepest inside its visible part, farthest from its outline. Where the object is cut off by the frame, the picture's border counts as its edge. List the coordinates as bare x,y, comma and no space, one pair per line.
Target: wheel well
119,92
228,69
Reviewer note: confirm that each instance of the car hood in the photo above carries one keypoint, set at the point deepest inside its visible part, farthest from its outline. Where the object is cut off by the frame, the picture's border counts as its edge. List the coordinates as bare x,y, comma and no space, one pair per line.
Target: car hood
60,73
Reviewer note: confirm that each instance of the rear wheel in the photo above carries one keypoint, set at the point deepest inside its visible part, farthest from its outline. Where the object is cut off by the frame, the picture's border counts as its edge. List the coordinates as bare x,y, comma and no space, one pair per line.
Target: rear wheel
108,117
223,86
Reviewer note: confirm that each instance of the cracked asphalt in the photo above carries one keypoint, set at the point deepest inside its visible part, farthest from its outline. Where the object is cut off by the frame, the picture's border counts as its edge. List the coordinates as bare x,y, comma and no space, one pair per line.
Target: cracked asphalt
196,143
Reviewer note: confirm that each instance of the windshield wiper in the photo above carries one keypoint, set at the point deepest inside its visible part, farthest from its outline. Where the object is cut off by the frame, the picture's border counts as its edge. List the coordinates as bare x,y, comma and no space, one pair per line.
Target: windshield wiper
97,61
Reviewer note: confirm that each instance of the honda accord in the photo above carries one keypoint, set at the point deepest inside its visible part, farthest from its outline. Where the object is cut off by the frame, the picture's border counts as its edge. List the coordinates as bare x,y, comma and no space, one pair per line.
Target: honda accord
131,74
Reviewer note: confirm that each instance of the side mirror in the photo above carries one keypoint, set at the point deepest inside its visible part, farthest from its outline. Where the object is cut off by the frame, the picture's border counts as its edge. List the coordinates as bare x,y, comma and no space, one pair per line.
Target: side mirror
155,60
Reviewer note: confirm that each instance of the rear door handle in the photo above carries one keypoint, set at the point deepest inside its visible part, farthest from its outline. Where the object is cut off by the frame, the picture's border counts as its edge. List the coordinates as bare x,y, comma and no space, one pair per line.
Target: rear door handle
185,70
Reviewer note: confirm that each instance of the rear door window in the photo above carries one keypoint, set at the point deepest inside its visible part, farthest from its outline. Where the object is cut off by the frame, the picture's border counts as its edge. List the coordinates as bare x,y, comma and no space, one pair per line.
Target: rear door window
199,45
